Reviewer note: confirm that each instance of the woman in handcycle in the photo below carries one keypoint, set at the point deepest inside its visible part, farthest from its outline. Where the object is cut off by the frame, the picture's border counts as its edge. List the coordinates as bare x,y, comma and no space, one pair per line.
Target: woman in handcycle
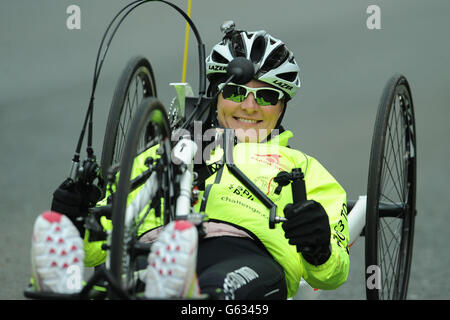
237,256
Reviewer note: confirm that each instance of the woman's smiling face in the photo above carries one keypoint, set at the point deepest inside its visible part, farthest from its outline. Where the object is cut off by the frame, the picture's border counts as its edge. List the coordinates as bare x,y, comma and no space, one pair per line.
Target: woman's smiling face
251,122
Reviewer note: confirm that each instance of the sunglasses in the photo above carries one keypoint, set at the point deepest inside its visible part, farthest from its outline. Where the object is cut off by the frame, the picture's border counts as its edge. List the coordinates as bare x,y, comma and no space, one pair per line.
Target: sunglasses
264,96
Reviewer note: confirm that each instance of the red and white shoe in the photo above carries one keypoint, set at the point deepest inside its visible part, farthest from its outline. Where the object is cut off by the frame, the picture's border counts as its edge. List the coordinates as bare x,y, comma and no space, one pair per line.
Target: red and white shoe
56,254
172,263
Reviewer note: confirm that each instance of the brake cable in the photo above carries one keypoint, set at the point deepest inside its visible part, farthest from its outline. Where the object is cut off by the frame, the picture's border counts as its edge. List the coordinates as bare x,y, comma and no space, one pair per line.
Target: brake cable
88,120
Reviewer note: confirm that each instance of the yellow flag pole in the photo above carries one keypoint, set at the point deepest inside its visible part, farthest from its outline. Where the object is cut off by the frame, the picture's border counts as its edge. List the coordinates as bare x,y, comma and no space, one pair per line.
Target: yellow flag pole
186,43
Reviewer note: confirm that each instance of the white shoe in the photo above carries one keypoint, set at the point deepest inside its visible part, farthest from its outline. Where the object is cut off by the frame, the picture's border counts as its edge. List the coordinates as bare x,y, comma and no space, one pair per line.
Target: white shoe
57,254
172,263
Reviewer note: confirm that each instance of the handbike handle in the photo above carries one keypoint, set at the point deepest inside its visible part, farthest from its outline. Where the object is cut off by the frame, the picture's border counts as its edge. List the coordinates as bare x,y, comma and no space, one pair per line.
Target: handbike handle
298,193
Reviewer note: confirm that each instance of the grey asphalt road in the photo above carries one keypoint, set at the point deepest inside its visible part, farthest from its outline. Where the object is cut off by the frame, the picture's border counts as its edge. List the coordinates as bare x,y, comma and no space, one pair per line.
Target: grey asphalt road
46,74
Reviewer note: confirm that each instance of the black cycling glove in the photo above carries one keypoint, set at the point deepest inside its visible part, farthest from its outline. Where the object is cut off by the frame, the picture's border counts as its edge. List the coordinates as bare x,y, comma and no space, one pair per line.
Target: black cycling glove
73,200
308,228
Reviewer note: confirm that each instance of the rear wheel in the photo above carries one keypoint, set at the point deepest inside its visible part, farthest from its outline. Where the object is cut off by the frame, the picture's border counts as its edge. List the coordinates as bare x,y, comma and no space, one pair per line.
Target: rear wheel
136,83
391,194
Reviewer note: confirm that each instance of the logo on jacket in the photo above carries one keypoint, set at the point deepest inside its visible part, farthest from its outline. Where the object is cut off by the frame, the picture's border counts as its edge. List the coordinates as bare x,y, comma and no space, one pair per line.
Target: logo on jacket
271,159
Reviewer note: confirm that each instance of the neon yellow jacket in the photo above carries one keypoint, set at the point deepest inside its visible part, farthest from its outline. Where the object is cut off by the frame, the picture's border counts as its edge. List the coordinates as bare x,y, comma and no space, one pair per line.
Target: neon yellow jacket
225,199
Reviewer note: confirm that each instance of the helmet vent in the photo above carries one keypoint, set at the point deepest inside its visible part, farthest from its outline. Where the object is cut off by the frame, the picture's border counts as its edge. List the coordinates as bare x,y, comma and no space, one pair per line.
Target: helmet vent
217,57
288,76
258,48
276,58
237,45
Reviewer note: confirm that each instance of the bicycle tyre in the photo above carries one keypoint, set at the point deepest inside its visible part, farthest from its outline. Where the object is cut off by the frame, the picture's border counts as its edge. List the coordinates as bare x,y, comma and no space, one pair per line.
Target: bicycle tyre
150,114
391,194
137,78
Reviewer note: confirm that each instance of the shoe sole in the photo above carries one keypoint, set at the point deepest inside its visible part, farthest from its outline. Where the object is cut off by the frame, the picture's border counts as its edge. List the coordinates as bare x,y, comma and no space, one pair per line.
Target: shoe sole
57,254
172,262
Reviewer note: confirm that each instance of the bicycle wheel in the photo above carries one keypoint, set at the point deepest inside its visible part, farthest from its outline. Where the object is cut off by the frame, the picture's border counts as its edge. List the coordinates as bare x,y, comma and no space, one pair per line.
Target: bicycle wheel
136,83
149,131
391,194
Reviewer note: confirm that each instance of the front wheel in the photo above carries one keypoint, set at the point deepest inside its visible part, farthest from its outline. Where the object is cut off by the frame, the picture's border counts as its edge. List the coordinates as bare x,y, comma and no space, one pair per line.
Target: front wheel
147,150
391,194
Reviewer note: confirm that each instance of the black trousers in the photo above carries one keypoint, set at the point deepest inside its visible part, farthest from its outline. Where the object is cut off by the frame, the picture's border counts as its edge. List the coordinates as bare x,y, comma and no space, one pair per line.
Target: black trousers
233,268
238,268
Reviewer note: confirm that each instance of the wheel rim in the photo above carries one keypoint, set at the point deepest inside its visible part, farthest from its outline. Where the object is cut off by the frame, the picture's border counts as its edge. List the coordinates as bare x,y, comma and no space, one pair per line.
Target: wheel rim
394,233
138,89
394,207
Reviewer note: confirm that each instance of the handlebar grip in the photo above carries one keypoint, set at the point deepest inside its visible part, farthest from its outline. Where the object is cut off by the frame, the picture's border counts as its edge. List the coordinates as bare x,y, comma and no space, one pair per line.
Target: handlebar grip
102,211
298,186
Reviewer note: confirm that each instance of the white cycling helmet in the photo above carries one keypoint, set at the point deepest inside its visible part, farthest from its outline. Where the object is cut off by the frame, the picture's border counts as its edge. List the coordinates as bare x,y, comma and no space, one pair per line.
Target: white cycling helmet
274,63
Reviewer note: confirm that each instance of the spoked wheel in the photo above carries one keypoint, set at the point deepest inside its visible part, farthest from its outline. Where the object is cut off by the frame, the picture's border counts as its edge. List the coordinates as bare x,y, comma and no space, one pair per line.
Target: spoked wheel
391,194
136,83
146,155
